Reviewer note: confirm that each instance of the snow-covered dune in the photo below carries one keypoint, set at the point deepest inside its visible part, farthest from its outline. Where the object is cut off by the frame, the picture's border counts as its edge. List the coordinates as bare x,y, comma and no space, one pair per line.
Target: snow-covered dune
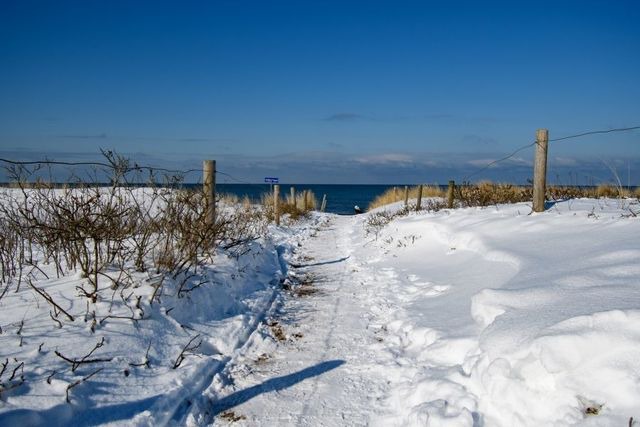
507,318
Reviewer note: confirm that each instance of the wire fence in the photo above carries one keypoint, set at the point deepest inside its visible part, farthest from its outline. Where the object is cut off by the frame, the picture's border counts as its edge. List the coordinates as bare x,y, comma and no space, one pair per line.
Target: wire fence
524,147
124,169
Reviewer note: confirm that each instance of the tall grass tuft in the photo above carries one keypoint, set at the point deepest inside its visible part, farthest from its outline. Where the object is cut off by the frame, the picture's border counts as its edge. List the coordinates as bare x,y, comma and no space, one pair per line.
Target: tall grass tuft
611,191
287,207
396,194
487,193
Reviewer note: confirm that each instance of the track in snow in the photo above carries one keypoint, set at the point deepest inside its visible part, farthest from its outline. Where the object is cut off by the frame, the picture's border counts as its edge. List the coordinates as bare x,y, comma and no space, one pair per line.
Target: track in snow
327,371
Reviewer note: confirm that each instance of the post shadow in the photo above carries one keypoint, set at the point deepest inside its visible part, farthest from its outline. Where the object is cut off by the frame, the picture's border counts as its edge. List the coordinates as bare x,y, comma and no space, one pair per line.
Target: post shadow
273,384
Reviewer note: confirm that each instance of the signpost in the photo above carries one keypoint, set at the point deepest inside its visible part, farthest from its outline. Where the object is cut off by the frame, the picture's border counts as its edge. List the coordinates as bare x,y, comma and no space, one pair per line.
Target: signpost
271,180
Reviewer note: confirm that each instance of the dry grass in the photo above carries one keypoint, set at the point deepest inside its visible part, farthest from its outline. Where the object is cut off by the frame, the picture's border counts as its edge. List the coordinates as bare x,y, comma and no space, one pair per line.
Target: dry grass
568,192
229,199
305,202
611,191
486,193
397,194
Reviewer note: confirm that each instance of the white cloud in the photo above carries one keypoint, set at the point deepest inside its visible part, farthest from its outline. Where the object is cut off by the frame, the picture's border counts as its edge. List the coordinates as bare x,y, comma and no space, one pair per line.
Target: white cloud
383,159
564,161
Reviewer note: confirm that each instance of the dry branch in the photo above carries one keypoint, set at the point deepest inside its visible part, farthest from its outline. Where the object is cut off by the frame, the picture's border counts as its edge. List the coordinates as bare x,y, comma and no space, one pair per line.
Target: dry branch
186,350
146,363
75,363
50,300
80,381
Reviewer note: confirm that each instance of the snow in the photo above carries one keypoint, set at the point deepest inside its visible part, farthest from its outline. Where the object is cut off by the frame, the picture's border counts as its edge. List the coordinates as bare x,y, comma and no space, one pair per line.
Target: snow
467,317
514,319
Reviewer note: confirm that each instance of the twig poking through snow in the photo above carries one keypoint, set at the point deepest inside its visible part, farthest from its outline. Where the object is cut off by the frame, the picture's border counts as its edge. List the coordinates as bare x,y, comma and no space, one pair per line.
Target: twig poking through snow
80,381
187,349
75,363
50,300
146,361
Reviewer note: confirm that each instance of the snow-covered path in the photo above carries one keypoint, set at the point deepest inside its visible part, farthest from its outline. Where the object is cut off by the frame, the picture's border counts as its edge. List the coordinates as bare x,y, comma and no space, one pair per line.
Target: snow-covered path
325,372
360,333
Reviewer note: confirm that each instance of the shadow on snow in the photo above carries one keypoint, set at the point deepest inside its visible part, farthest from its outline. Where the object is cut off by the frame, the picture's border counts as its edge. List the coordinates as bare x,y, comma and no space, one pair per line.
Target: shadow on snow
274,384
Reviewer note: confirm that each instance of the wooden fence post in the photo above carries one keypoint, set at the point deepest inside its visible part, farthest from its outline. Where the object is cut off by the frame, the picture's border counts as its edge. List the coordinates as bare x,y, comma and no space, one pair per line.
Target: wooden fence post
450,190
406,195
293,196
276,203
419,204
209,188
540,170
324,203
305,198
395,194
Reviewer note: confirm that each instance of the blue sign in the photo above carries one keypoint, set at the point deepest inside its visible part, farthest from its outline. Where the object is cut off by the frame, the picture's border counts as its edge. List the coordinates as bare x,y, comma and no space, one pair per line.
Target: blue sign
271,180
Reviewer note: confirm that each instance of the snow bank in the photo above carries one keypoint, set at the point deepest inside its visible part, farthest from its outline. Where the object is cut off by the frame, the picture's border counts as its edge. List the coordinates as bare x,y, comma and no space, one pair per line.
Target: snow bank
509,318
136,356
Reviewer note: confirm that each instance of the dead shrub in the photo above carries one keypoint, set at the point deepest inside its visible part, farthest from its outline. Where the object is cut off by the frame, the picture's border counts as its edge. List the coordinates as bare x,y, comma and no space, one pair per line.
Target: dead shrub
486,193
568,192
93,229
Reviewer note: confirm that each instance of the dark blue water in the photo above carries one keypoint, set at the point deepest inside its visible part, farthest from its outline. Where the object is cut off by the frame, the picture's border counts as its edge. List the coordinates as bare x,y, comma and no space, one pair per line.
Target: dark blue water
341,199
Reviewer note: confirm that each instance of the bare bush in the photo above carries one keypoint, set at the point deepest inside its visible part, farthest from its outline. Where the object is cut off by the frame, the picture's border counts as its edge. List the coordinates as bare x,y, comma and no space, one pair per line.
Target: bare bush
118,228
487,193
376,221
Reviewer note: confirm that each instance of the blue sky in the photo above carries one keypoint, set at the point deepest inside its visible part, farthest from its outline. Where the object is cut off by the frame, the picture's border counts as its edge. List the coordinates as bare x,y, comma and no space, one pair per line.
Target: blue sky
324,91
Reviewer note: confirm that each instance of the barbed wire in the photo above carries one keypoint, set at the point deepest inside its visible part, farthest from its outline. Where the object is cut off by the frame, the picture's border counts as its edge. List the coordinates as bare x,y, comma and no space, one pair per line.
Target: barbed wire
40,162
238,180
524,147
595,132
135,167
488,165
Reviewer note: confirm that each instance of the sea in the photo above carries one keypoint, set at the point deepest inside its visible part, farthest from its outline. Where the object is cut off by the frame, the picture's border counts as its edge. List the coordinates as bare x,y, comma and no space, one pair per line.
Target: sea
341,198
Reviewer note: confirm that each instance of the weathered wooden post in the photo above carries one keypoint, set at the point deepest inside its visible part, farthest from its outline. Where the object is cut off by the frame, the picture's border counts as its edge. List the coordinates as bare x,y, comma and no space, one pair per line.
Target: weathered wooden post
305,198
540,170
406,195
419,203
209,188
324,203
293,196
276,203
450,190
395,194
